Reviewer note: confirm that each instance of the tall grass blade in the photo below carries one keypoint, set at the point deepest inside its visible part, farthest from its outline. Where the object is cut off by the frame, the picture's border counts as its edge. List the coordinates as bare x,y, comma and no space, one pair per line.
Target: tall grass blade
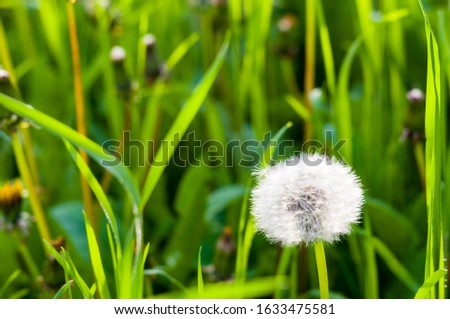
430,283
96,260
96,151
433,153
181,124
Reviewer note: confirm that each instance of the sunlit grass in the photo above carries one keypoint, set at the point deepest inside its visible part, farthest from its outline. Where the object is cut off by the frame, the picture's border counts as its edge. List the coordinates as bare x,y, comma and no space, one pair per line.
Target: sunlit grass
230,72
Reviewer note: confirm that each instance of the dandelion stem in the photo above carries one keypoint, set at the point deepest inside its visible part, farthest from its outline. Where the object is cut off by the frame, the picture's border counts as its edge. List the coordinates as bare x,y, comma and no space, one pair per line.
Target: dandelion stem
322,270
25,173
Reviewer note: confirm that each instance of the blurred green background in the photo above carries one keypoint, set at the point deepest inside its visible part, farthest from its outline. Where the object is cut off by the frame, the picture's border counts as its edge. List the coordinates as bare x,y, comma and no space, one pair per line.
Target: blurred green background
340,66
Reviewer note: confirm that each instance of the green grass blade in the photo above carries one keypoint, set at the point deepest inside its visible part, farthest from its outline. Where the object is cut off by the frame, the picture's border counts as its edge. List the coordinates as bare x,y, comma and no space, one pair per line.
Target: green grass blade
62,130
96,261
65,261
273,144
287,253
8,283
327,51
151,116
425,290
256,288
181,124
98,192
137,289
246,225
433,151
394,264
201,286
59,294
298,107
170,278
341,112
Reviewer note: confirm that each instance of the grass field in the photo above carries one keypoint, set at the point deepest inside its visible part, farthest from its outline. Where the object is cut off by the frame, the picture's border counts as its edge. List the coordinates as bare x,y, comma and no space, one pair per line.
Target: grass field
129,131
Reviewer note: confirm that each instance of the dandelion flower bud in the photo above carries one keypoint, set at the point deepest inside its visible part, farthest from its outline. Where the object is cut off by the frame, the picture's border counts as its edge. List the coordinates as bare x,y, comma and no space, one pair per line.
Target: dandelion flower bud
415,95
4,75
306,199
149,40
117,54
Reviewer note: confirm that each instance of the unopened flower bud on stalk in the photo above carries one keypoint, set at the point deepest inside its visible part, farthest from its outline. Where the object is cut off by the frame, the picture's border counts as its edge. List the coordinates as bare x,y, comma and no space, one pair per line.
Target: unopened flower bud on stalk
154,67
306,199
123,82
8,120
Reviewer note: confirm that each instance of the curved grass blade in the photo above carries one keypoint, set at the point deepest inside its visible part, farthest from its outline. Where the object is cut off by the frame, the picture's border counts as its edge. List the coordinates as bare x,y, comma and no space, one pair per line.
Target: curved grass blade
66,262
327,51
201,286
63,289
153,108
341,112
181,124
96,260
257,288
246,225
430,282
8,283
170,278
93,149
298,107
98,192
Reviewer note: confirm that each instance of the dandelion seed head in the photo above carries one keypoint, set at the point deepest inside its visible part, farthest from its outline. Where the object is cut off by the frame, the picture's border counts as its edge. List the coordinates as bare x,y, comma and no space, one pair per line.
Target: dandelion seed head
306,199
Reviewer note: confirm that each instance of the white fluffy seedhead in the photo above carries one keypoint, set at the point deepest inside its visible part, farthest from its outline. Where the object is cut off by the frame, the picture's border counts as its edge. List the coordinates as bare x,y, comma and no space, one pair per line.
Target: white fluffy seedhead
306,199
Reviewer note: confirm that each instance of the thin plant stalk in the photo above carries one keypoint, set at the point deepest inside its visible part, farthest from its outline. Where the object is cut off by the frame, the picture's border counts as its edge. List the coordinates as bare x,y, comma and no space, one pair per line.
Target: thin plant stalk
79,108
294,273
309,62
322,270
28,148
420,159
25,173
